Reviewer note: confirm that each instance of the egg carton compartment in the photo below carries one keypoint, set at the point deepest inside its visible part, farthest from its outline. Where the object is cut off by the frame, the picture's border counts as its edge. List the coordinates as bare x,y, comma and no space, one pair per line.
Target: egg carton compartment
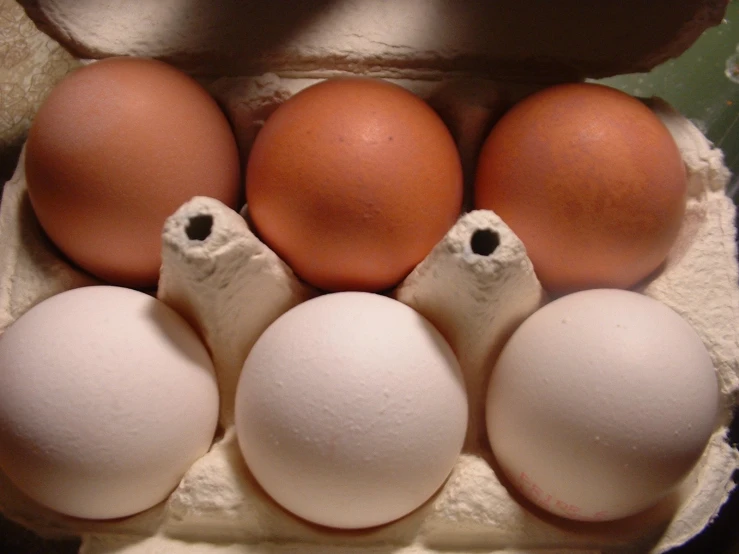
476,286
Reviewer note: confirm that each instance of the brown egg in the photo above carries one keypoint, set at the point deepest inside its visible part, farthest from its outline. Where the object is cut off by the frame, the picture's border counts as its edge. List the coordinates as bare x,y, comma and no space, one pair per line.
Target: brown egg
117,147
590,180
352,182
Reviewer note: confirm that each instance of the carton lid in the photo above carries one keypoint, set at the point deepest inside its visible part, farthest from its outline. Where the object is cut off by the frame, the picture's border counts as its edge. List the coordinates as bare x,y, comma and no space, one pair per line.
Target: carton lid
519,40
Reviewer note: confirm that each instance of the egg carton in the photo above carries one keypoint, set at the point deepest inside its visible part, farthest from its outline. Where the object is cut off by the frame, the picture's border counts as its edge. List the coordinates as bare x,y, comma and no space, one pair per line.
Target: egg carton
230,286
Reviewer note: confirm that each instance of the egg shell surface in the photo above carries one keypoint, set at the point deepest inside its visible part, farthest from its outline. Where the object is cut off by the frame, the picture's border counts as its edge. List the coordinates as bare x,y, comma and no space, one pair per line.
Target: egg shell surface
116,148
600,403
590,180
107,397
352,182
351,410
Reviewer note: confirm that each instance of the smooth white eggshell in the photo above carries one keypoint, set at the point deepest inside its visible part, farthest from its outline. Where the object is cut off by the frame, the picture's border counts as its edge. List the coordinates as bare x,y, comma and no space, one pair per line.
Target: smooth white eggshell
107,396
600,404
351,410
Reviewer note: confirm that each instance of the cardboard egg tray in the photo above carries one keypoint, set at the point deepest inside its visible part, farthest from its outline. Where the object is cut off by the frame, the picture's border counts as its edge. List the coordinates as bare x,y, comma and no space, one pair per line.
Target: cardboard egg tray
230,287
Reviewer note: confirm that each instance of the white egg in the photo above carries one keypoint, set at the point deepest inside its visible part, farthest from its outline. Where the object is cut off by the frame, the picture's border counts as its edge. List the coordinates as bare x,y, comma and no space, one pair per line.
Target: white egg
600,404
107,396
351,410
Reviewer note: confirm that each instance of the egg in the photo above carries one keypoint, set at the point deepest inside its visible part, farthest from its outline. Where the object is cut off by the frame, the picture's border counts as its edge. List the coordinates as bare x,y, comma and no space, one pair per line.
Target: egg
590,180
116,148
600,404
107,396
352,182
351,410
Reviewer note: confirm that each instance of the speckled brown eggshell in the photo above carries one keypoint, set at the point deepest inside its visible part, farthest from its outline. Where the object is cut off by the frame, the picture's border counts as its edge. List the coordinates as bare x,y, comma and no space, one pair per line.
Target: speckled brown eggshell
590,180
352,182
